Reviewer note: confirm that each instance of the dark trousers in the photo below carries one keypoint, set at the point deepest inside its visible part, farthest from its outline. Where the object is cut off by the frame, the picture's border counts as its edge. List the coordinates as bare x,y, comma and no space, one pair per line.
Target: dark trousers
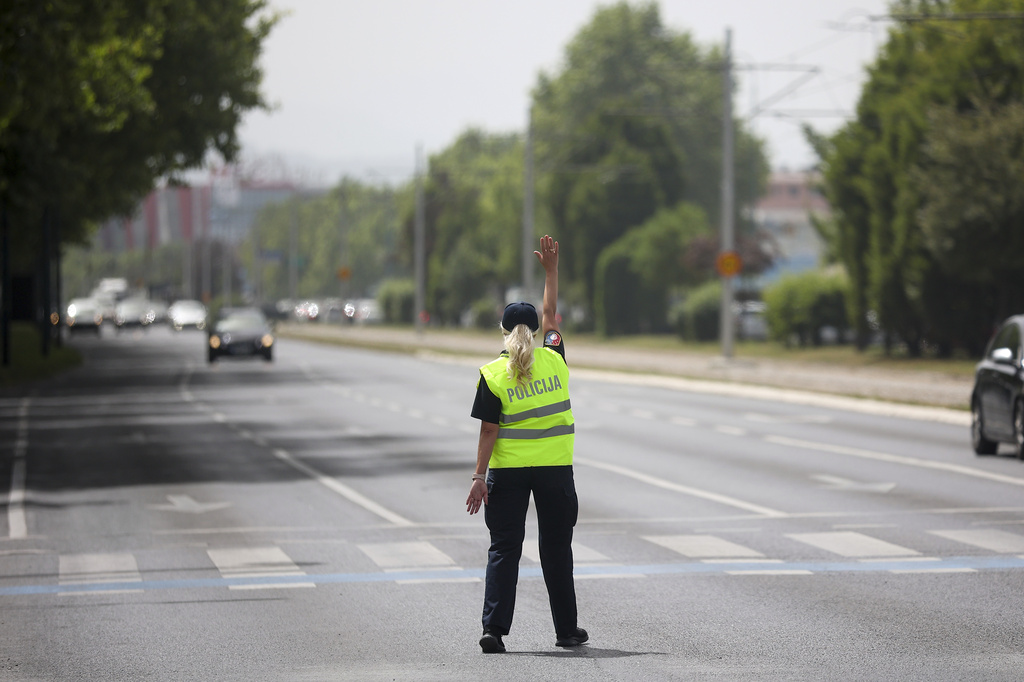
508,498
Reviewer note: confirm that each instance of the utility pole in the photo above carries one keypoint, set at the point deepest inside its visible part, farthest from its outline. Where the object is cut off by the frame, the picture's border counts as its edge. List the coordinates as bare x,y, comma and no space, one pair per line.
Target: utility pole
528,208
292,255
6,299
726,326
341,242
419,238
206,286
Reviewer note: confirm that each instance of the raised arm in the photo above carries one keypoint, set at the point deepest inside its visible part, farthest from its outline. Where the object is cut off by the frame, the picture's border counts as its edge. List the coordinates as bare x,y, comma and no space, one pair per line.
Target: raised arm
548,257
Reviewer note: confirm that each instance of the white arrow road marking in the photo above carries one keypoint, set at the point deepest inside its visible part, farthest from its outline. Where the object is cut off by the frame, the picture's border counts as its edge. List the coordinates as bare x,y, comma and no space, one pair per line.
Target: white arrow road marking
837,483
184,503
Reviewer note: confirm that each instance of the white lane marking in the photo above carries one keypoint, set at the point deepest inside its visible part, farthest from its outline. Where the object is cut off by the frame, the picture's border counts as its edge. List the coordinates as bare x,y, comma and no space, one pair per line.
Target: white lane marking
894,459
851,544
998,541
17,524
256,562
581,554
343,490
830,482
185,503
934,570
96,569
730,430
683,421
675,487
641,414
784,419
605,576
702,546
768,571
863,405
394,556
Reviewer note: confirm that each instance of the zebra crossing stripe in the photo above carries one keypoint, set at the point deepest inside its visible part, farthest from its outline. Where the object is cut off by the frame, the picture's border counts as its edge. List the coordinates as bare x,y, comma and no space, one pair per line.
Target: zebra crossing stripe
992,539
581,554
257,562
852,544
703,546
116,570
406,557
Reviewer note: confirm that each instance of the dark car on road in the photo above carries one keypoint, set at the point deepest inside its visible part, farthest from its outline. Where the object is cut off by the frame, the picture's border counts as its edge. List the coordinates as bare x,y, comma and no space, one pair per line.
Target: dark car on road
997,401
241,332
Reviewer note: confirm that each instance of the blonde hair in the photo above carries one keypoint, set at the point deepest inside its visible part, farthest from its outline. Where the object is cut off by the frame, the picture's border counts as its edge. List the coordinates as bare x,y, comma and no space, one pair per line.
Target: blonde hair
519,344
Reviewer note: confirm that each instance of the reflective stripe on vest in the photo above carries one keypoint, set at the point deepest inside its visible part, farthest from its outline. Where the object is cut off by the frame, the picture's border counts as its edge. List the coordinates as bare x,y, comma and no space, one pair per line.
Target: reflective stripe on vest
536,418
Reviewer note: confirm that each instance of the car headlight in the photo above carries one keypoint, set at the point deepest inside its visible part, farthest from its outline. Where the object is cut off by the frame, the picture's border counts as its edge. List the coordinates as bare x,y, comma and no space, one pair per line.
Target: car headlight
214,341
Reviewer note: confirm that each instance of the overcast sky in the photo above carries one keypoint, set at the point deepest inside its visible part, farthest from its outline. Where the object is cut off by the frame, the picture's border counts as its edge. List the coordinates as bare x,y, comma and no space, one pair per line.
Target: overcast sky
358,84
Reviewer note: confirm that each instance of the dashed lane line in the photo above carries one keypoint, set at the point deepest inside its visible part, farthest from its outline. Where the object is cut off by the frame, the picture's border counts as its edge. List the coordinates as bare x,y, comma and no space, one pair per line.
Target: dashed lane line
679,488
894,459
348,493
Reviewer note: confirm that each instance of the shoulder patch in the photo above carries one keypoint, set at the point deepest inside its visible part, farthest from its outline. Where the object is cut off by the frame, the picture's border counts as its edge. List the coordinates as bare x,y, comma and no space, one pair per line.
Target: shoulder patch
552,338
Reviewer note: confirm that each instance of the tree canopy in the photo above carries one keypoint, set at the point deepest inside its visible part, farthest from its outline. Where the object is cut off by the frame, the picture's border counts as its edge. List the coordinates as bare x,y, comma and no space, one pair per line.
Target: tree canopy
631,125
102,99
925,182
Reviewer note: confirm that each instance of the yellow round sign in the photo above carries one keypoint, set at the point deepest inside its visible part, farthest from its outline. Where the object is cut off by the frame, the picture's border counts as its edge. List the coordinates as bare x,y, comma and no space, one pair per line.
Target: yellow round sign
728,264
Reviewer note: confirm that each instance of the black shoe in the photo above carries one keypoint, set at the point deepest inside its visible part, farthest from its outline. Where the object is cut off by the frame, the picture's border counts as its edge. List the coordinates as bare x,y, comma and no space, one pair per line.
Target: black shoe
575,639
491,643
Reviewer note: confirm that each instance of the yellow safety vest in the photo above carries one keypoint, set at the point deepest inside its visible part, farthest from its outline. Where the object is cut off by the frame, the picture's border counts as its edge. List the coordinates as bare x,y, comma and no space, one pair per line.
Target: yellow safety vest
536,426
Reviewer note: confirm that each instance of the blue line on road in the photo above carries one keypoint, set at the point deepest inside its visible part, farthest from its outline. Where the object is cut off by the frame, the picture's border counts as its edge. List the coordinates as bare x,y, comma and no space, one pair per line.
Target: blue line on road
949,564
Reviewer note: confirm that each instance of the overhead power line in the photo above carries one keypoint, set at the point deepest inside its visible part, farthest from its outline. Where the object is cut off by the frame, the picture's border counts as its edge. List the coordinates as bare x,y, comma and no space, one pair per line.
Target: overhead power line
951,16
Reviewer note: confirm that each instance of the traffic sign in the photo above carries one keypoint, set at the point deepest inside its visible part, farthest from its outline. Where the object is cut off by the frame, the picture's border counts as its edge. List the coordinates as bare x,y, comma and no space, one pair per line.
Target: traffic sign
728,264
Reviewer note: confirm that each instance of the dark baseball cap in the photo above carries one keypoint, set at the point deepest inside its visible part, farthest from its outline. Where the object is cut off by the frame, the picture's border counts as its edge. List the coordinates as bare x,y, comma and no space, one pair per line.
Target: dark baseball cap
520,313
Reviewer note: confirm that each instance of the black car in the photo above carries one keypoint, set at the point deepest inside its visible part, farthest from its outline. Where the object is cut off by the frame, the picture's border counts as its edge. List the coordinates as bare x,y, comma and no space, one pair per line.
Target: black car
241,332
997,401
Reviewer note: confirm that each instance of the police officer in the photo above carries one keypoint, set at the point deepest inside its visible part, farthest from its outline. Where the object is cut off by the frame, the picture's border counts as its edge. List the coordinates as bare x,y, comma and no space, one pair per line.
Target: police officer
526,446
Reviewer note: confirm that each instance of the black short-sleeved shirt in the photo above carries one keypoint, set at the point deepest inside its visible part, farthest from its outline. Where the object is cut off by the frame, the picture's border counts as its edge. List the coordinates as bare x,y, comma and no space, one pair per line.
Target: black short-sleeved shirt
487,406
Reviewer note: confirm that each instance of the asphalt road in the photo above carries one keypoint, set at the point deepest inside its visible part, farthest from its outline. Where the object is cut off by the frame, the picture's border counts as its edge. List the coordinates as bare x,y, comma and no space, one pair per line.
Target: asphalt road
305,520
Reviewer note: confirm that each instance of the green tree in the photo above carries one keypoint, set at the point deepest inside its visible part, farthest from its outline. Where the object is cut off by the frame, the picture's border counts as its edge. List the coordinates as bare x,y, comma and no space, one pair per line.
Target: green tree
102,99
890,173
353,228
968,178
629,126
473,194
636,274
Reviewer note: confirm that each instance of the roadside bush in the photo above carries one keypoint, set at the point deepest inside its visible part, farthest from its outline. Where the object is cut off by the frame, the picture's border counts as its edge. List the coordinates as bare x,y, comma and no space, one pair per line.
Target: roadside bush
396,298
485,313
696,318
801,305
